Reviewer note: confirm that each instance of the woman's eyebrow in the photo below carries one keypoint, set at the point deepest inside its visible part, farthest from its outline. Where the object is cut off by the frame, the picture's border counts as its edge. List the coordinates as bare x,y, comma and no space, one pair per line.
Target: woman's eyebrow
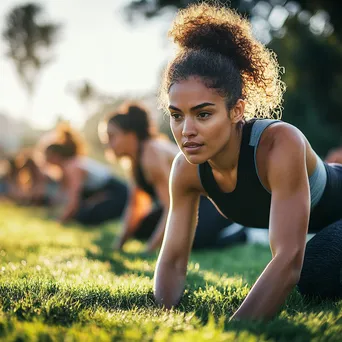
199,106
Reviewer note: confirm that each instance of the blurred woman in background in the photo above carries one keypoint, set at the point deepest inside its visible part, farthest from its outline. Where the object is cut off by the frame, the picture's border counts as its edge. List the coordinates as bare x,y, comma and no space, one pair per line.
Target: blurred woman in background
11,184
93,195
130,134
38,187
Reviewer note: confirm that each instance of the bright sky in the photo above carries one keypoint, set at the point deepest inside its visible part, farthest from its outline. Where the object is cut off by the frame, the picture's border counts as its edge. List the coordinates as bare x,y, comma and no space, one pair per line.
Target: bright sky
96,44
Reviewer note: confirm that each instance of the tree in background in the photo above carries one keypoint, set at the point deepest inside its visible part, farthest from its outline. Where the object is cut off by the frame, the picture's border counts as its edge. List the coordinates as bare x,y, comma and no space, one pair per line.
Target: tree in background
306,35
152,8
29,40
313,74
86,95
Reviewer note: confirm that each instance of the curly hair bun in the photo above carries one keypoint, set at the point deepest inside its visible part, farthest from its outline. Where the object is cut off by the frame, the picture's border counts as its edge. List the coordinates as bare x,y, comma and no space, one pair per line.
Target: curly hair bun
223,31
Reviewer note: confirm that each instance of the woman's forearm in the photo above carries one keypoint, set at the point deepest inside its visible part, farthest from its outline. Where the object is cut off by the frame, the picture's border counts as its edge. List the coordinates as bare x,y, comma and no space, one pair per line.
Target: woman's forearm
156,239
270,290
69,210
169,284
136,209
128,226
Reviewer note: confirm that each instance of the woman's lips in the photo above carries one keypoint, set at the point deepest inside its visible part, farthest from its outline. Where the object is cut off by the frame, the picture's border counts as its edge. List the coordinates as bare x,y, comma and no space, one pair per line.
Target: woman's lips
192,147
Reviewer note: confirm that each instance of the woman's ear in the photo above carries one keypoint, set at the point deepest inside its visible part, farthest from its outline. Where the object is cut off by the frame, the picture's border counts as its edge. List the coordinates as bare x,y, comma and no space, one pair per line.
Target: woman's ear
238,111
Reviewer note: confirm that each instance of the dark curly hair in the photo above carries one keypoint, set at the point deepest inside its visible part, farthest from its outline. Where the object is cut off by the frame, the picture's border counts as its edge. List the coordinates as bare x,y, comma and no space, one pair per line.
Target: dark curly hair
216,44
133,117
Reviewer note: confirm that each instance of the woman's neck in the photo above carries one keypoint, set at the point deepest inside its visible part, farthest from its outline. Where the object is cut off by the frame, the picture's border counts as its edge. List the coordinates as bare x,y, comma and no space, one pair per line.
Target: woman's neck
228,157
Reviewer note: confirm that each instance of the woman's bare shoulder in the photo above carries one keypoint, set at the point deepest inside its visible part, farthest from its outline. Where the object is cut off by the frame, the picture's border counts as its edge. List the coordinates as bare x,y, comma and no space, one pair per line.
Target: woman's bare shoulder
282,137
158,153
185,174
161,146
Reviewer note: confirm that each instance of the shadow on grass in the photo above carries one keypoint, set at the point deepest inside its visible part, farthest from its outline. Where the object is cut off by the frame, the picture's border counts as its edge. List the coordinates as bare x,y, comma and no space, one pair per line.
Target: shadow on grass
281,330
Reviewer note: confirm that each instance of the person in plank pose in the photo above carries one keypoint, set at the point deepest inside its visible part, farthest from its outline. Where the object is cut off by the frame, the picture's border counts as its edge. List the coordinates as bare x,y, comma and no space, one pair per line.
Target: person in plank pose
221,91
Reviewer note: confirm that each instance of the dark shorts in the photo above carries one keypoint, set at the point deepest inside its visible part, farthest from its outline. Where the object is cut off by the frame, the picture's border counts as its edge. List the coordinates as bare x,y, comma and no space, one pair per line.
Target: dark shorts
115,197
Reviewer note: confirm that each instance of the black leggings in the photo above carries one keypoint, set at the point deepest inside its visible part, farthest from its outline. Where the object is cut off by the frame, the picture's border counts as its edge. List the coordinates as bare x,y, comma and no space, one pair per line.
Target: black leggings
210,225
322,268
114,196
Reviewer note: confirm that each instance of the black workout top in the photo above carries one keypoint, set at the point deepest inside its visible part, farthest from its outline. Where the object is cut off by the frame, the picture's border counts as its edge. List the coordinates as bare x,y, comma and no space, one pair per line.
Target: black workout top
249,203
140,177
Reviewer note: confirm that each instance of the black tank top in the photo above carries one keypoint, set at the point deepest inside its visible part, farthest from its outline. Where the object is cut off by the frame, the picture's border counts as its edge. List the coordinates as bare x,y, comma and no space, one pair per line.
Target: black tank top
249,204
140,177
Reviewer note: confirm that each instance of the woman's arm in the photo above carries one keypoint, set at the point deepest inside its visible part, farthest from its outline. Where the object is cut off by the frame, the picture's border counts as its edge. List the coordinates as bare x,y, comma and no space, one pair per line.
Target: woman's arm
73,180
159,172
138,206
172,262
289,216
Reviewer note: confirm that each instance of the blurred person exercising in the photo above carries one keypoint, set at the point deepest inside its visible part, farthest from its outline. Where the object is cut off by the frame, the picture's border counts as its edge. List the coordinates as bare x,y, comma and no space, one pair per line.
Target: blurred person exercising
39,187
93,195
11,182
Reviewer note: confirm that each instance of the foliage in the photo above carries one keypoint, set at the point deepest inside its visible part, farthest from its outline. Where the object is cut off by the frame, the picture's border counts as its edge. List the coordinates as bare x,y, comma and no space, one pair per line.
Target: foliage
152,8
29,41
312,101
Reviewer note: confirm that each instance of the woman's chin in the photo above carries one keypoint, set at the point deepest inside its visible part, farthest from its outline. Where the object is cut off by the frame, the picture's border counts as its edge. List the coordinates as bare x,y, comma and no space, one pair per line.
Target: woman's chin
195,158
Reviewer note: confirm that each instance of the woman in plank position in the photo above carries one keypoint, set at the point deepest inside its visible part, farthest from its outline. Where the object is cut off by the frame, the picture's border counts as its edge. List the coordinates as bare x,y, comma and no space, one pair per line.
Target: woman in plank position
221,90
130,134
93,195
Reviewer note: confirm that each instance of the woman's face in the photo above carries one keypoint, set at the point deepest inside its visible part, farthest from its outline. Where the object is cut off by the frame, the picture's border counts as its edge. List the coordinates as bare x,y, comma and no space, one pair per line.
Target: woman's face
119,141
199,120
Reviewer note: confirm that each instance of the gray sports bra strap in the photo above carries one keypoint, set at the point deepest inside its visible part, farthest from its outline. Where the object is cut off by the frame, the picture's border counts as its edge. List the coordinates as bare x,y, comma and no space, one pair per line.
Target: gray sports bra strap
258,127
317,180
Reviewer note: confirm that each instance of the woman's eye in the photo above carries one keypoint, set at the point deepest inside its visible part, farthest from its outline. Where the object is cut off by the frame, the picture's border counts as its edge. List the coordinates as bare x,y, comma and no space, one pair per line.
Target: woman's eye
175,116
204,115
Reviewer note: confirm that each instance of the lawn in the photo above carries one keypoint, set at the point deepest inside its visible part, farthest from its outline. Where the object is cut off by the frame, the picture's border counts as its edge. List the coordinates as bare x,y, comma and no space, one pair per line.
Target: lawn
65,284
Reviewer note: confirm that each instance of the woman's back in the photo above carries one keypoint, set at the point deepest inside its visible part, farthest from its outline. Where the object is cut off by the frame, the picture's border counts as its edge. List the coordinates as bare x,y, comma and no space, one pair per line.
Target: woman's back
96,173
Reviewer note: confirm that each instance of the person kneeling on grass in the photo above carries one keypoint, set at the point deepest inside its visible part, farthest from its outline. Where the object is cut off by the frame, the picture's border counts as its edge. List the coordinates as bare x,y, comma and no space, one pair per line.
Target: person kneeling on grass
129,134
93,195
258,172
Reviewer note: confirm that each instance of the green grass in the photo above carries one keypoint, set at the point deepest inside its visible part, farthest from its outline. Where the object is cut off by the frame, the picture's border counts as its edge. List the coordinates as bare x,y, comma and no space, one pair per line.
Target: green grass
65,284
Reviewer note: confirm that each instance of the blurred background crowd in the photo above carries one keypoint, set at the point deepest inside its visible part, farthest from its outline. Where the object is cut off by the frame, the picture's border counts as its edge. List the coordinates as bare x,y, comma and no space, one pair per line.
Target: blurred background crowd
66,65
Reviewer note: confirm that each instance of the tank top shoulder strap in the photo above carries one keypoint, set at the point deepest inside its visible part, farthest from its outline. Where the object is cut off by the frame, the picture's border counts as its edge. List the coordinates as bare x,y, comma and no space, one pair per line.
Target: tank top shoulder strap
256,132
258,128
